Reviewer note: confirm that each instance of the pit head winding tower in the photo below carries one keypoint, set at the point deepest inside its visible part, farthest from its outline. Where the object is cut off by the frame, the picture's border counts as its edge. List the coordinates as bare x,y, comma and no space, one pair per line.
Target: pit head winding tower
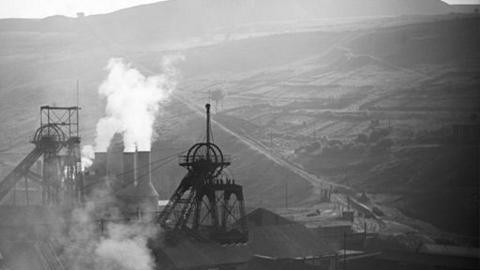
207,204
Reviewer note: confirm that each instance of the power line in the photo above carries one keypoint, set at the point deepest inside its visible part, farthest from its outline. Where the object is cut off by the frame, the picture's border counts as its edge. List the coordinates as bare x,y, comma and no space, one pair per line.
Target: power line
170,158
142,176
167,159
151,163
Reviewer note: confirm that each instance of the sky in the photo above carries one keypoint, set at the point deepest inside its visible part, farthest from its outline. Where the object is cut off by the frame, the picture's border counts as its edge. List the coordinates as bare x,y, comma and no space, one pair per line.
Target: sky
44,8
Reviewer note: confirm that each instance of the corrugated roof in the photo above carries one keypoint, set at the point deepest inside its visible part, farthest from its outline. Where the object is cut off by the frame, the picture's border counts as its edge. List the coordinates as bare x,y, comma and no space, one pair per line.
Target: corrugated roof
280,242
287,241
328,223
187,253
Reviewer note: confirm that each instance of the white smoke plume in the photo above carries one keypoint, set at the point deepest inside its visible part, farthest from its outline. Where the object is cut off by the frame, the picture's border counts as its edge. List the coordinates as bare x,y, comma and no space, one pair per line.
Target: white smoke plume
125,247
120,246
133,101
87,156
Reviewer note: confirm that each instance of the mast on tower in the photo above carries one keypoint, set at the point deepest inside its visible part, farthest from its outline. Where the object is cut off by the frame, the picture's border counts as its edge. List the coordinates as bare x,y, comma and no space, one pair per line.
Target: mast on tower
207,204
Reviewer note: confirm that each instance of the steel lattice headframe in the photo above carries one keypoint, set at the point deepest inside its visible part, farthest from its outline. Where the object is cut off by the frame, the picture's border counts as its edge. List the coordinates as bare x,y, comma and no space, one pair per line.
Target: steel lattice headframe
61,179
207,204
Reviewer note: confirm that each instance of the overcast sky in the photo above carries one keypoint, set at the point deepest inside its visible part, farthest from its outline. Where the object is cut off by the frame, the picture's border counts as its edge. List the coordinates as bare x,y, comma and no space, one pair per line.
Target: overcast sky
44,8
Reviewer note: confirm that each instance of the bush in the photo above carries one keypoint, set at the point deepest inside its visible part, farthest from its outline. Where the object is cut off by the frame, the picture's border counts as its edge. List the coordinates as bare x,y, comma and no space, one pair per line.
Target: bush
377,211
334,142
308,148
312,147
331,149
377,134
383,145
361,138
358,148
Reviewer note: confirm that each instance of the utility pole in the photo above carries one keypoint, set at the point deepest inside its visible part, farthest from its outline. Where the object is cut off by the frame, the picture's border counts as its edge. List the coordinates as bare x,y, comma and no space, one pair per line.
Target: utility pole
286,194
78,92
26,191
14,195
344,250
271,139
364,232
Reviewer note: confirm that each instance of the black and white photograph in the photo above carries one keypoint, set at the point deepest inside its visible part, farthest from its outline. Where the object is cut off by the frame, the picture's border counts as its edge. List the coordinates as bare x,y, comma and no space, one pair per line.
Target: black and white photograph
239,134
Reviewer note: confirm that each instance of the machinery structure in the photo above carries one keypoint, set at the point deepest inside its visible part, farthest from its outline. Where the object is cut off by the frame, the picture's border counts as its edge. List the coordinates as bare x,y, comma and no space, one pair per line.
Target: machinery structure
57,144
207,204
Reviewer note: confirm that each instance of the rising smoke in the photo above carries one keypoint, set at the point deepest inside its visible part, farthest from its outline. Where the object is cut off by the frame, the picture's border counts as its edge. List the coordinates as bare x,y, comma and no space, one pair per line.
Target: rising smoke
125,247
107,246
88,154
133,100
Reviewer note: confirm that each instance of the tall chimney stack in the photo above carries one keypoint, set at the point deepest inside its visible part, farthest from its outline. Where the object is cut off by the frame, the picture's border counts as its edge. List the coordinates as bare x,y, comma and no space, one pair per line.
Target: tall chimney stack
128,176
100,164
139,195
144,176
115,162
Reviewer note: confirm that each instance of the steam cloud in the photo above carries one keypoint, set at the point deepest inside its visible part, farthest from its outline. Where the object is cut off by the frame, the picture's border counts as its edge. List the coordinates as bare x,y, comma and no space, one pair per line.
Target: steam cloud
125,247
87,156
133,101
121,246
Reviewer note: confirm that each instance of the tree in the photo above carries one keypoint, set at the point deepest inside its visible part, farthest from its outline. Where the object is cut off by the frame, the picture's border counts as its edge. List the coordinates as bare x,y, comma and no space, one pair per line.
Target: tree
383,145
217,96
362,138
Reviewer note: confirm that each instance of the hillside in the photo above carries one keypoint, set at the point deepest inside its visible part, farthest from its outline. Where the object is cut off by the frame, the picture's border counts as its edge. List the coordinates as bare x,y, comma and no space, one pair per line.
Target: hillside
312,97
177,20
373,110
465,8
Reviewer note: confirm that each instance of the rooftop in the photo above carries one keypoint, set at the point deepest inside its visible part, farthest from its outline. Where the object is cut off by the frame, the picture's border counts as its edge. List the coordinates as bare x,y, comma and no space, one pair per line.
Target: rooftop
290,241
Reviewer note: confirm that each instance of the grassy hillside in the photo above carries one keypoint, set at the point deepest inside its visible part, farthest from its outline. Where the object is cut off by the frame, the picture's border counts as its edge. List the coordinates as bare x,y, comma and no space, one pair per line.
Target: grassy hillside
368,103
177,20
373,110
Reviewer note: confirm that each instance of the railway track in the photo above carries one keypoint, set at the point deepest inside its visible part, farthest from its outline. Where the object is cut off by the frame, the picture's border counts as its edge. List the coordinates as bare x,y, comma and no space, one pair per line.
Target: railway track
257,145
